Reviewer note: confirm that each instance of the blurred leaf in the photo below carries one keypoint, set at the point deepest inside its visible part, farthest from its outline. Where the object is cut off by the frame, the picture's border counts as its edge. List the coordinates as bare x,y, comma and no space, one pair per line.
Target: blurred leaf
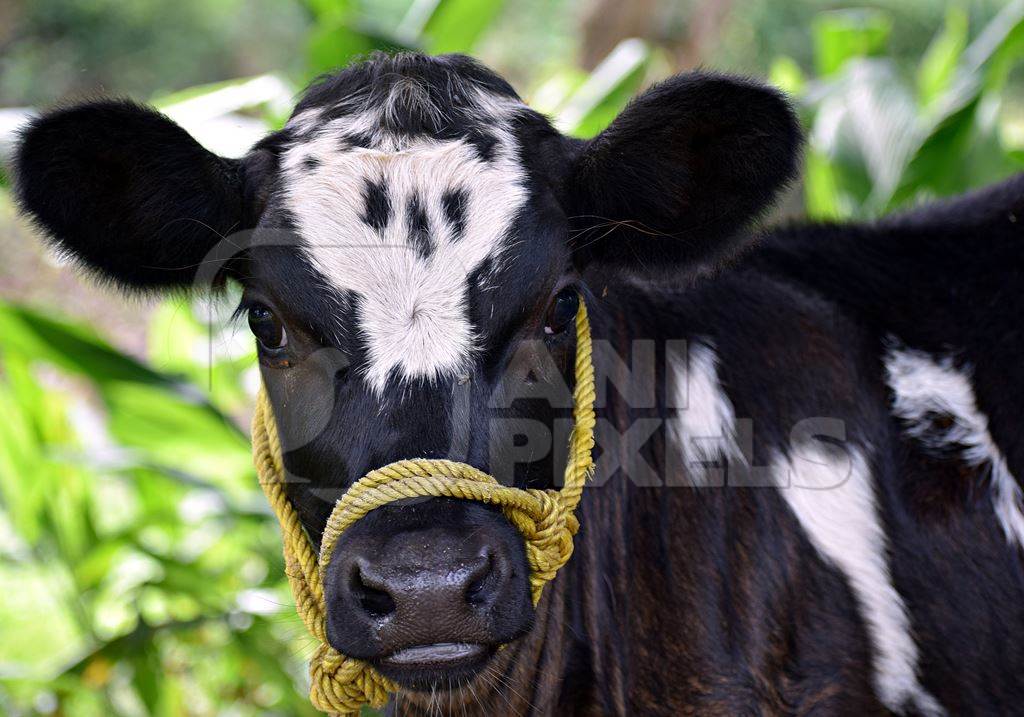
226,96
41,494
608,89
73,347
550,96
22,493
174,337
150,412
32,614
954,139
178,433
214,354
454,25
78,349
942,57
866,125
786,74
845,34
335,43
985,63
936,165
146,669
998,43
328,10
821,191
97,563
1007,39
1017,156
338,42
341,34
188,579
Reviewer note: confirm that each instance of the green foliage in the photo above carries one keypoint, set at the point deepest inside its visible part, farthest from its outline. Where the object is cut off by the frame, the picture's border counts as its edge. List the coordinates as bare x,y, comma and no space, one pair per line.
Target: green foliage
150,563
879,141
600,96
939,64
845,34
457,25
140,47
342,30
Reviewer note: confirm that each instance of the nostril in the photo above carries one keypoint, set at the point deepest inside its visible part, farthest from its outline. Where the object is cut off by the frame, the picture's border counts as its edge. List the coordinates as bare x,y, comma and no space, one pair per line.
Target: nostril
377,603
480,586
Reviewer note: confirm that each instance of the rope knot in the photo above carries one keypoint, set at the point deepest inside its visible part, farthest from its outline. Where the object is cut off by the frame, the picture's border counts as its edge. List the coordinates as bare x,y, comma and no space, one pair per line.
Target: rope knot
341,685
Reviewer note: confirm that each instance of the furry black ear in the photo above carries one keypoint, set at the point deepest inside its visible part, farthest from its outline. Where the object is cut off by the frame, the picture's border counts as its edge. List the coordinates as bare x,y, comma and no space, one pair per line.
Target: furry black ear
127,192
681,171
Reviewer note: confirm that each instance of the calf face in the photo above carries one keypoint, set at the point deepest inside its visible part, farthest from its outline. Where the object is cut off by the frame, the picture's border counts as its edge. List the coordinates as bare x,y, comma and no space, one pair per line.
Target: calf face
419,240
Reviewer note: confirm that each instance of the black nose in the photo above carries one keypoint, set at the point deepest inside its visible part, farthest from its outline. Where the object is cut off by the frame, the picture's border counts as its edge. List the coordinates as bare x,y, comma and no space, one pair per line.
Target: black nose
413,585
428,591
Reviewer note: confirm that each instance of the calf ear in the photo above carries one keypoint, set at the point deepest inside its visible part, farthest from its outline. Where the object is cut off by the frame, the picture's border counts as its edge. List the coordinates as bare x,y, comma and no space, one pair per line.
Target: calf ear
678,175
127,192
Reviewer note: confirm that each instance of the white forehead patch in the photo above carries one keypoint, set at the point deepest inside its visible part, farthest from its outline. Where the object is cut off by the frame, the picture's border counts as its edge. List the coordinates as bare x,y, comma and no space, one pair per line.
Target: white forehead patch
410,263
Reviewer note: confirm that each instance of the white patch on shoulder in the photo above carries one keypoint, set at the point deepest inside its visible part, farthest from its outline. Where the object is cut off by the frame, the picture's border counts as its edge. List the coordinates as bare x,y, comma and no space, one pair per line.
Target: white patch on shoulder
704,429
414,306
831,493
924,386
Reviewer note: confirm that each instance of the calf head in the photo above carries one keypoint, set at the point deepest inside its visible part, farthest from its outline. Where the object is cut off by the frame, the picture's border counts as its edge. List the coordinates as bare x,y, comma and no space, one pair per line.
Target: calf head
411,248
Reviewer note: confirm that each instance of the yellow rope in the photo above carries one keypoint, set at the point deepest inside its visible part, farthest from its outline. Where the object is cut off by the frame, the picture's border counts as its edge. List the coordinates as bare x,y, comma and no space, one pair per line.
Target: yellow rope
341,685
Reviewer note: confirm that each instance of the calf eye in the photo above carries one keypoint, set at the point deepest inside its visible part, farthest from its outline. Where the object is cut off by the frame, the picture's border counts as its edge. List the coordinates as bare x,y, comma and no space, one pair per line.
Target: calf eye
267,328
562,312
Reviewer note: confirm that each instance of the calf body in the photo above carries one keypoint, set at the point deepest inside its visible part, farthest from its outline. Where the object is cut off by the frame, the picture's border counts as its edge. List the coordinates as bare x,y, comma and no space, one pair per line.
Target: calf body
893,587
807,494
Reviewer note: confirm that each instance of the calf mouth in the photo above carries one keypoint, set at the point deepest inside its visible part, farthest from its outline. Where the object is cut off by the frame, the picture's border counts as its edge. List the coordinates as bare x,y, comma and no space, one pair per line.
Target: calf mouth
427,667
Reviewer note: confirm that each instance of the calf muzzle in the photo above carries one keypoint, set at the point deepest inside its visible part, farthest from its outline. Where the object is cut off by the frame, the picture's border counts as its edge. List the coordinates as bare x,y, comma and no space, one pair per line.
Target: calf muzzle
427,592
341,684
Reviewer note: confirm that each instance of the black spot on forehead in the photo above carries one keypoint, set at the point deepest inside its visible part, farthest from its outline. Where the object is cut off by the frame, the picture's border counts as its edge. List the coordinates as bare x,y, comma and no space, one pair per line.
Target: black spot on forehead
453,202
483,142
310,162
419,227
356,139
377,211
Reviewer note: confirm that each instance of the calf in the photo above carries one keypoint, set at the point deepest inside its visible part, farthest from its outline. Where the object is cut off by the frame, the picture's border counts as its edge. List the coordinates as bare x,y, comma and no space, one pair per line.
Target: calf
808,440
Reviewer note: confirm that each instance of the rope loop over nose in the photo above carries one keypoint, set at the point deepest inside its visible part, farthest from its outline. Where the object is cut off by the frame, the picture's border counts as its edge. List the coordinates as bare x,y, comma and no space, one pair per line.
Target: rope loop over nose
340,685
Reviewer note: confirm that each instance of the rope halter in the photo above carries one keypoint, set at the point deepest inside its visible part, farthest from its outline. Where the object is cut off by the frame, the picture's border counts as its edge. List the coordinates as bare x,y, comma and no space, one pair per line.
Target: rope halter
340,685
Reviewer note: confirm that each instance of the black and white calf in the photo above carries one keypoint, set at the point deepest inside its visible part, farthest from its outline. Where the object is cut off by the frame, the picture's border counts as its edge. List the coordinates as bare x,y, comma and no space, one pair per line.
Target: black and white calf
808,495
